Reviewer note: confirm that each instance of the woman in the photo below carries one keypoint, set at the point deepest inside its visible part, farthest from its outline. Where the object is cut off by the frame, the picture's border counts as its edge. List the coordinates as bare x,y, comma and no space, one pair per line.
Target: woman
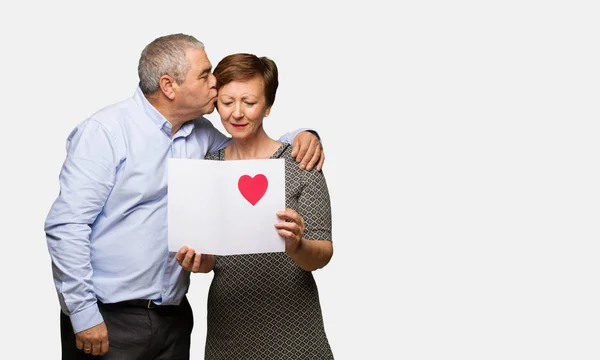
266,306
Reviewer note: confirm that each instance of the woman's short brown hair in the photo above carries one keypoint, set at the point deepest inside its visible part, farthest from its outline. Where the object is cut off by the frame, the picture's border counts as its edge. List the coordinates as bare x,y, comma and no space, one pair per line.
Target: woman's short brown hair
243,67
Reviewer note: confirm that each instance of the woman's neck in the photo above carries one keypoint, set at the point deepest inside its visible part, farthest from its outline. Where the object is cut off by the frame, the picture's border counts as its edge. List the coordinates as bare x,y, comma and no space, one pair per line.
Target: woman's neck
260,146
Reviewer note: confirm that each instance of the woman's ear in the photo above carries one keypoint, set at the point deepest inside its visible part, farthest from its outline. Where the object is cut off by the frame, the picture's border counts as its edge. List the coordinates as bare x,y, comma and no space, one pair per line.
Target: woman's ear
268,111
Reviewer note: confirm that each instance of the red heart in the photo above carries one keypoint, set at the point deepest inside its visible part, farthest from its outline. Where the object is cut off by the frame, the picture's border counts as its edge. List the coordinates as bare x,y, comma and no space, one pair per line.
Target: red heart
253,189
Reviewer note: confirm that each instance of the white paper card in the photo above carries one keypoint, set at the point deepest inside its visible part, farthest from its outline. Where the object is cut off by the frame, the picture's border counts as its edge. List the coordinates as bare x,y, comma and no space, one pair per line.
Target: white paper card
225,207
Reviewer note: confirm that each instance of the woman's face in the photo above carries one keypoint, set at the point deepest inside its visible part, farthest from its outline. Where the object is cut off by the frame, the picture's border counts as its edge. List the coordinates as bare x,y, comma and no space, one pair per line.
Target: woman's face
242,107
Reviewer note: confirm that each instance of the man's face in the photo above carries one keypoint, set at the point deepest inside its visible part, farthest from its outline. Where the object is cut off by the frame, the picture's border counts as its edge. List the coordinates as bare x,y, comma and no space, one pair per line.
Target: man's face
196,96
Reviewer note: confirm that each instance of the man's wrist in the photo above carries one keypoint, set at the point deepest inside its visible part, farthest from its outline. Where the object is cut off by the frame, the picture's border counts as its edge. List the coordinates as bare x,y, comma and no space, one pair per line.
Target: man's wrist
315,133
86,318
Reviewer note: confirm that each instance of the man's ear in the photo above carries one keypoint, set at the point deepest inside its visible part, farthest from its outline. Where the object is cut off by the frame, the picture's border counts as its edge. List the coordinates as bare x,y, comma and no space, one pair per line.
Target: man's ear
167,86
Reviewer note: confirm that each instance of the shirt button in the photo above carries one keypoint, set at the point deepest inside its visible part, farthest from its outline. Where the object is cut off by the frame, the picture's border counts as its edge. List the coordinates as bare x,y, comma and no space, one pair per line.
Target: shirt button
164,290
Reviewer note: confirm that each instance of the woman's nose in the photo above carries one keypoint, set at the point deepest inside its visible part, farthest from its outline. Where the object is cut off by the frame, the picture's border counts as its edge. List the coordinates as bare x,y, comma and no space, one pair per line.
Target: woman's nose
237,112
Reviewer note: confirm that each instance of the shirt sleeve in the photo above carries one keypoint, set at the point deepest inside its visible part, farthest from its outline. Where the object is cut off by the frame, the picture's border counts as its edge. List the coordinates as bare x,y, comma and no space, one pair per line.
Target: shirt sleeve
218,140
86,179
314,205
290,136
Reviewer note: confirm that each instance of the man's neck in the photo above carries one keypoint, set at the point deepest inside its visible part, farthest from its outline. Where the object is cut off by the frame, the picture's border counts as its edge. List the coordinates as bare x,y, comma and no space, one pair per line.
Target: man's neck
165,110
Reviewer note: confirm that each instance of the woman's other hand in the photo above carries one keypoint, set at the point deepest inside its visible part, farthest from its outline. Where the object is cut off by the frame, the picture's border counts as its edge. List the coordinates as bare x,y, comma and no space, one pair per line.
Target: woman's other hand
292,229
192,262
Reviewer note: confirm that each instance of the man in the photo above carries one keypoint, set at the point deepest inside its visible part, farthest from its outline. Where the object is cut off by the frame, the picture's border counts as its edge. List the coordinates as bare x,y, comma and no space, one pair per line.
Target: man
107,230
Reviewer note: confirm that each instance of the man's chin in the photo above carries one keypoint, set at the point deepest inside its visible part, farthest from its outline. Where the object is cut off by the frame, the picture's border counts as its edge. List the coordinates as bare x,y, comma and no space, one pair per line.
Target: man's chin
210,108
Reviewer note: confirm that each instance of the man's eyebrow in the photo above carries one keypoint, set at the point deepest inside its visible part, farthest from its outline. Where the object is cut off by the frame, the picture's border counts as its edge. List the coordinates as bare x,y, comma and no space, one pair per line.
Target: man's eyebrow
206,71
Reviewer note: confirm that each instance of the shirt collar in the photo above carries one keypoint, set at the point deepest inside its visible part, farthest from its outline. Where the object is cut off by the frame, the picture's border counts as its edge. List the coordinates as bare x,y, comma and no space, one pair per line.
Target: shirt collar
157,118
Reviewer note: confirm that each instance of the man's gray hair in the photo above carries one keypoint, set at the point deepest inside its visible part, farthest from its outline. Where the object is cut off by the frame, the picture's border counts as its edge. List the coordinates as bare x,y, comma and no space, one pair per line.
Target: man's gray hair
165,56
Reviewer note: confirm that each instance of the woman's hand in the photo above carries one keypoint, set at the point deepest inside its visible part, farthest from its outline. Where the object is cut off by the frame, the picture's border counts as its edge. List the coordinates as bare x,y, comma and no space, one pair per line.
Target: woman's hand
192,262
292,229
308,254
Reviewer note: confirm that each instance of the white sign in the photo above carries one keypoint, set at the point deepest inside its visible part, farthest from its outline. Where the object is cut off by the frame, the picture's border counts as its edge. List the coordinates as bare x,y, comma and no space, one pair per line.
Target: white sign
225,207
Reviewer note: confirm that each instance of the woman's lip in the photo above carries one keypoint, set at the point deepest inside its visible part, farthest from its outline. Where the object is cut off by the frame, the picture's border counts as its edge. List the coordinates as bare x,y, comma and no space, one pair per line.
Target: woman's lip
238,125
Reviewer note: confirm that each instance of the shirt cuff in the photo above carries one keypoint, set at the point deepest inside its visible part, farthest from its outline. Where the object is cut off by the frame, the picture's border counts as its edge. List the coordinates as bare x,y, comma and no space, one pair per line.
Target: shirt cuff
316,134
86,318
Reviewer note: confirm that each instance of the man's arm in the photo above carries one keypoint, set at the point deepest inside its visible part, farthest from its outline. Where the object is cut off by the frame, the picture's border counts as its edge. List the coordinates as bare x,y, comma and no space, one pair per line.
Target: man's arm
306,144
86,179
217,140
306,148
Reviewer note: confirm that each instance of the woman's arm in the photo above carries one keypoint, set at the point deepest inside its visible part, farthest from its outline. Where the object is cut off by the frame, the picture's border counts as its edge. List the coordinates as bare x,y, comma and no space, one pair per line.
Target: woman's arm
308,254
312,254
307,232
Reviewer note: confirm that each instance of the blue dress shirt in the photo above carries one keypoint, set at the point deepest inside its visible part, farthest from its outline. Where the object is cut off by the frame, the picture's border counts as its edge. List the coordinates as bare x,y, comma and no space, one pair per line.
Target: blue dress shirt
107,230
